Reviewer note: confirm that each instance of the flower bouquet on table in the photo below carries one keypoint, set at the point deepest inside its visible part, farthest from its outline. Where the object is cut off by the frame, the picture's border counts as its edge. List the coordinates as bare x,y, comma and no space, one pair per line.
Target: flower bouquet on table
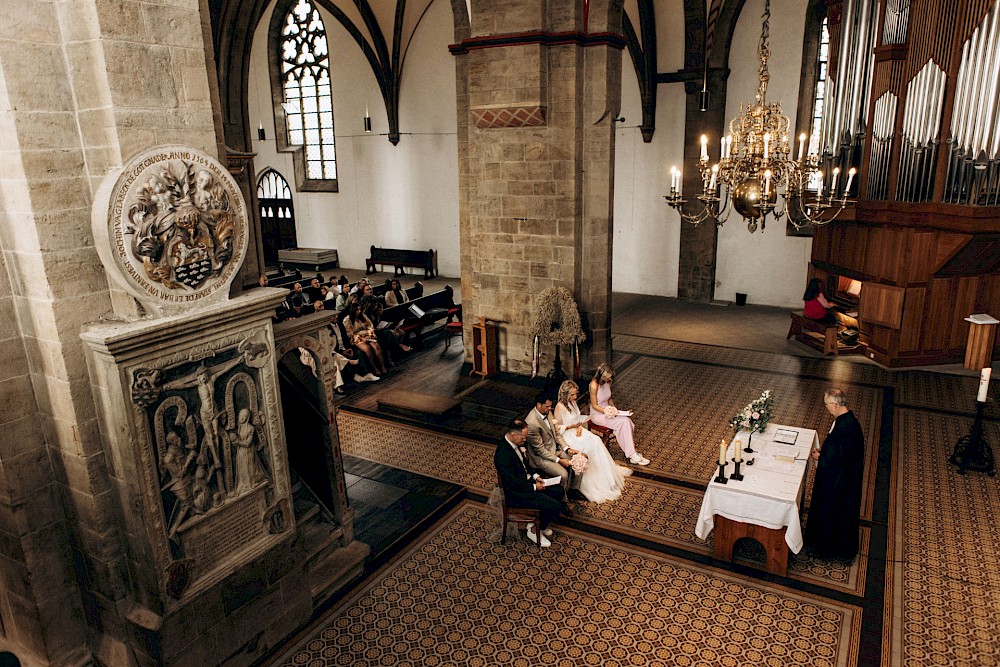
755,417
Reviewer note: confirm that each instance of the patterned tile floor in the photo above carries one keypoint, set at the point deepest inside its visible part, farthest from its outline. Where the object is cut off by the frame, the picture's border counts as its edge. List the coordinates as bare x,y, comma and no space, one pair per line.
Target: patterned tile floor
945,556
648,509
452,599
924,591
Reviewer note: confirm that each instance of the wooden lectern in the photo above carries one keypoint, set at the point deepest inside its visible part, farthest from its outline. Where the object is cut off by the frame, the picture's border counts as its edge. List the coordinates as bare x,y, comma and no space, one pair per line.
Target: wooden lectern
485,350
982,336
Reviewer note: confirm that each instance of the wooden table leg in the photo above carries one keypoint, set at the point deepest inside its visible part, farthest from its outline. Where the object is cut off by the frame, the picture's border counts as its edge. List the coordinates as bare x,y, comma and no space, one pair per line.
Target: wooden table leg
727,532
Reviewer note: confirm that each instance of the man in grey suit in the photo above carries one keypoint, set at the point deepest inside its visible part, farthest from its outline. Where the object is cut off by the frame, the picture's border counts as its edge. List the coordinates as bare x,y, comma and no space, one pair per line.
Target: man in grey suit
547,451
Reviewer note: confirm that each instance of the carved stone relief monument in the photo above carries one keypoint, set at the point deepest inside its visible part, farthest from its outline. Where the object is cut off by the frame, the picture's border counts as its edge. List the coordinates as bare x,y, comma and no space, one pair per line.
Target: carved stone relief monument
191,412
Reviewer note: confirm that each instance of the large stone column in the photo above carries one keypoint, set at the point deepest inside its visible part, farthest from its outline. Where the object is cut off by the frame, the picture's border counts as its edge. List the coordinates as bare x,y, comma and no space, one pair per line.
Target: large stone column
539,85
84,84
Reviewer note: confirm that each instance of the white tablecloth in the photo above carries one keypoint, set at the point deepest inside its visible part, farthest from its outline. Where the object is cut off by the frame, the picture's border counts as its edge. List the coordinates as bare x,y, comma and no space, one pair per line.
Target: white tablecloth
770,491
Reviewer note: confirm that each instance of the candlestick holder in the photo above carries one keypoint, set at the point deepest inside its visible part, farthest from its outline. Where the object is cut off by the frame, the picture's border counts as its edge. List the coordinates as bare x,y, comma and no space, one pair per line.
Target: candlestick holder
736,474
973,451
721,479
748,449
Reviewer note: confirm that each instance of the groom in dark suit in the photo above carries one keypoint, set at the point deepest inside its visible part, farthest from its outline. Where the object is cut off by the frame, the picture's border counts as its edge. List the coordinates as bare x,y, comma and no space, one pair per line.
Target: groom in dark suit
522,486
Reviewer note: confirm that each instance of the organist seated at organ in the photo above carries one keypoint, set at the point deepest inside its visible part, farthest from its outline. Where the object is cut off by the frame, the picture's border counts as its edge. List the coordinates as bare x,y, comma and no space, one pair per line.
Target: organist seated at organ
815,306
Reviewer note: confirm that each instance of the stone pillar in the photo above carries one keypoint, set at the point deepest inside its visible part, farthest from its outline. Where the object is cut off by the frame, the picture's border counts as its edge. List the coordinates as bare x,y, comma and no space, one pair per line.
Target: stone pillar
83,85
696,268
539,84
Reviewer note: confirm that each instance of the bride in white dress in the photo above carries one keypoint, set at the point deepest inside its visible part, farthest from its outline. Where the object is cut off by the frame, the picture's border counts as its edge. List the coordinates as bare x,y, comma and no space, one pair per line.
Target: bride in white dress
604,479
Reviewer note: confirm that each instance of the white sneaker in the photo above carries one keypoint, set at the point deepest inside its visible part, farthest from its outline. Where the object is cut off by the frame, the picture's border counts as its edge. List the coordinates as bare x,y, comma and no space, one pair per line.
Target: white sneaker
638,459
535,538
547,532
625,471
370,378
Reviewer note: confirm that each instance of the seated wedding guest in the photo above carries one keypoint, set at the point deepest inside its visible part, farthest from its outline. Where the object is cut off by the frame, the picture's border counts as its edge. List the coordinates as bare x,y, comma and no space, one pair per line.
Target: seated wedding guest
360,286
390,339
296,295
361,335
835,509
522,485
396,294
314,291
816,307
350,366
604,479
342,298
546,450
603,412
318,306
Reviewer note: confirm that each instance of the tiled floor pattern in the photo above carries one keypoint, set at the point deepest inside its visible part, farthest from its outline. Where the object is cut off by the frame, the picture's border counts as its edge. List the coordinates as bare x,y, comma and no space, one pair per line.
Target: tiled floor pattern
839,370
647,509
455,599
945,552
681,410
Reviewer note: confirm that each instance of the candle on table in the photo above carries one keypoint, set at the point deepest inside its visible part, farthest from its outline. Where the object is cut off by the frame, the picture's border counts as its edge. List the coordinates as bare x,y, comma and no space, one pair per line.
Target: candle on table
704,148
984,384
738,450
722,452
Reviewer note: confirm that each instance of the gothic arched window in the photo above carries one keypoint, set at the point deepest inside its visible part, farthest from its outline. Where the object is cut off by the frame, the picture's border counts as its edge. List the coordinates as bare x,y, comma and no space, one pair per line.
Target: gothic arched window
300,77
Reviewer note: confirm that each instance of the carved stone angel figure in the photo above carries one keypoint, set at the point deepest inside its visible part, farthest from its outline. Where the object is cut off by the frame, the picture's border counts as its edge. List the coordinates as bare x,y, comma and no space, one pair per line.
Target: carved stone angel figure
182,227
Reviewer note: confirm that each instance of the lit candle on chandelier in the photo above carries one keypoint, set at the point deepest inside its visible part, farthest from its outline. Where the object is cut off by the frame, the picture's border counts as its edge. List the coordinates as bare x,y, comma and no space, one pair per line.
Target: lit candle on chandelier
722,148
984,384
820,175
833,187
850,179
704,148
715,174
767,142
673,179
802,145
767,183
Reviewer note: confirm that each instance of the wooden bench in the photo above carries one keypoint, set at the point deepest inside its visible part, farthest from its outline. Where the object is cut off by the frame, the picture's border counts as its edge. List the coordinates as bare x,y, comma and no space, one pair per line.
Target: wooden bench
435,306
817,335
422,406
399,258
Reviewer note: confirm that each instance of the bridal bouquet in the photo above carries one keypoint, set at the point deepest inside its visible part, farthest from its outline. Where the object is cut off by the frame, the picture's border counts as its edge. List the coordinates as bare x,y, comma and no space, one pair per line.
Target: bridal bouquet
755,416
579,463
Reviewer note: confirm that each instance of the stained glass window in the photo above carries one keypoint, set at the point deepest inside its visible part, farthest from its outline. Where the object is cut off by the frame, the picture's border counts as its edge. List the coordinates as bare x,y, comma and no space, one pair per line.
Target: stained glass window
308,98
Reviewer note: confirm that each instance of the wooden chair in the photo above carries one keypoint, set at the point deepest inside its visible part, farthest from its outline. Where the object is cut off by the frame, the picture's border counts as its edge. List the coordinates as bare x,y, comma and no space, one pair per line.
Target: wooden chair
518,515
452,329
603,432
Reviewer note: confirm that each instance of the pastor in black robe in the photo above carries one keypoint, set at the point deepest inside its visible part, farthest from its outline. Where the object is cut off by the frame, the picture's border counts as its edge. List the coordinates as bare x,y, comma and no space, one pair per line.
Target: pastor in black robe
835,509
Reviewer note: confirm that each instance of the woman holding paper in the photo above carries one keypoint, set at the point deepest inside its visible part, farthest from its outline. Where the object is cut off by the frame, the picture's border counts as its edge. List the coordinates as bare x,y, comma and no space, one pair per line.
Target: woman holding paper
604,479
604,413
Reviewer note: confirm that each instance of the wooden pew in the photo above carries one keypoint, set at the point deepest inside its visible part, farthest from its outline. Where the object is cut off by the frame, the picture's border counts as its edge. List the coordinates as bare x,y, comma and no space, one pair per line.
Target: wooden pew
399,258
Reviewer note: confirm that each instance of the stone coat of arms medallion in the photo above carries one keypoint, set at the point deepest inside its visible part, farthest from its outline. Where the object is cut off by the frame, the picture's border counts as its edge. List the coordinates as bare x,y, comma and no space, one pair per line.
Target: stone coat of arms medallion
174,230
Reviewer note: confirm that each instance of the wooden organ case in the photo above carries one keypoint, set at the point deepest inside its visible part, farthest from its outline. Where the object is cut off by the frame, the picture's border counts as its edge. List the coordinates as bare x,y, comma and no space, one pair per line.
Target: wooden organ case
924,236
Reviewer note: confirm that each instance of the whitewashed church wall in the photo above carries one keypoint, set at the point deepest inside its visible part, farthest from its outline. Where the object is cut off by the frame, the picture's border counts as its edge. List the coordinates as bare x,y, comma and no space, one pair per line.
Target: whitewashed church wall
647,231
397,196
770,268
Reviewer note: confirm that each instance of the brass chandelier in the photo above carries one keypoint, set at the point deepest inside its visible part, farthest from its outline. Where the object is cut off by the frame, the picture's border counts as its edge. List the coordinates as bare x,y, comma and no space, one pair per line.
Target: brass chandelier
755,162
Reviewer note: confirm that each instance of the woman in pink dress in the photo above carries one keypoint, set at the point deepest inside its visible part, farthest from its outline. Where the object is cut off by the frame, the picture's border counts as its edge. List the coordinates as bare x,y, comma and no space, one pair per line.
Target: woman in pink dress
604,413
